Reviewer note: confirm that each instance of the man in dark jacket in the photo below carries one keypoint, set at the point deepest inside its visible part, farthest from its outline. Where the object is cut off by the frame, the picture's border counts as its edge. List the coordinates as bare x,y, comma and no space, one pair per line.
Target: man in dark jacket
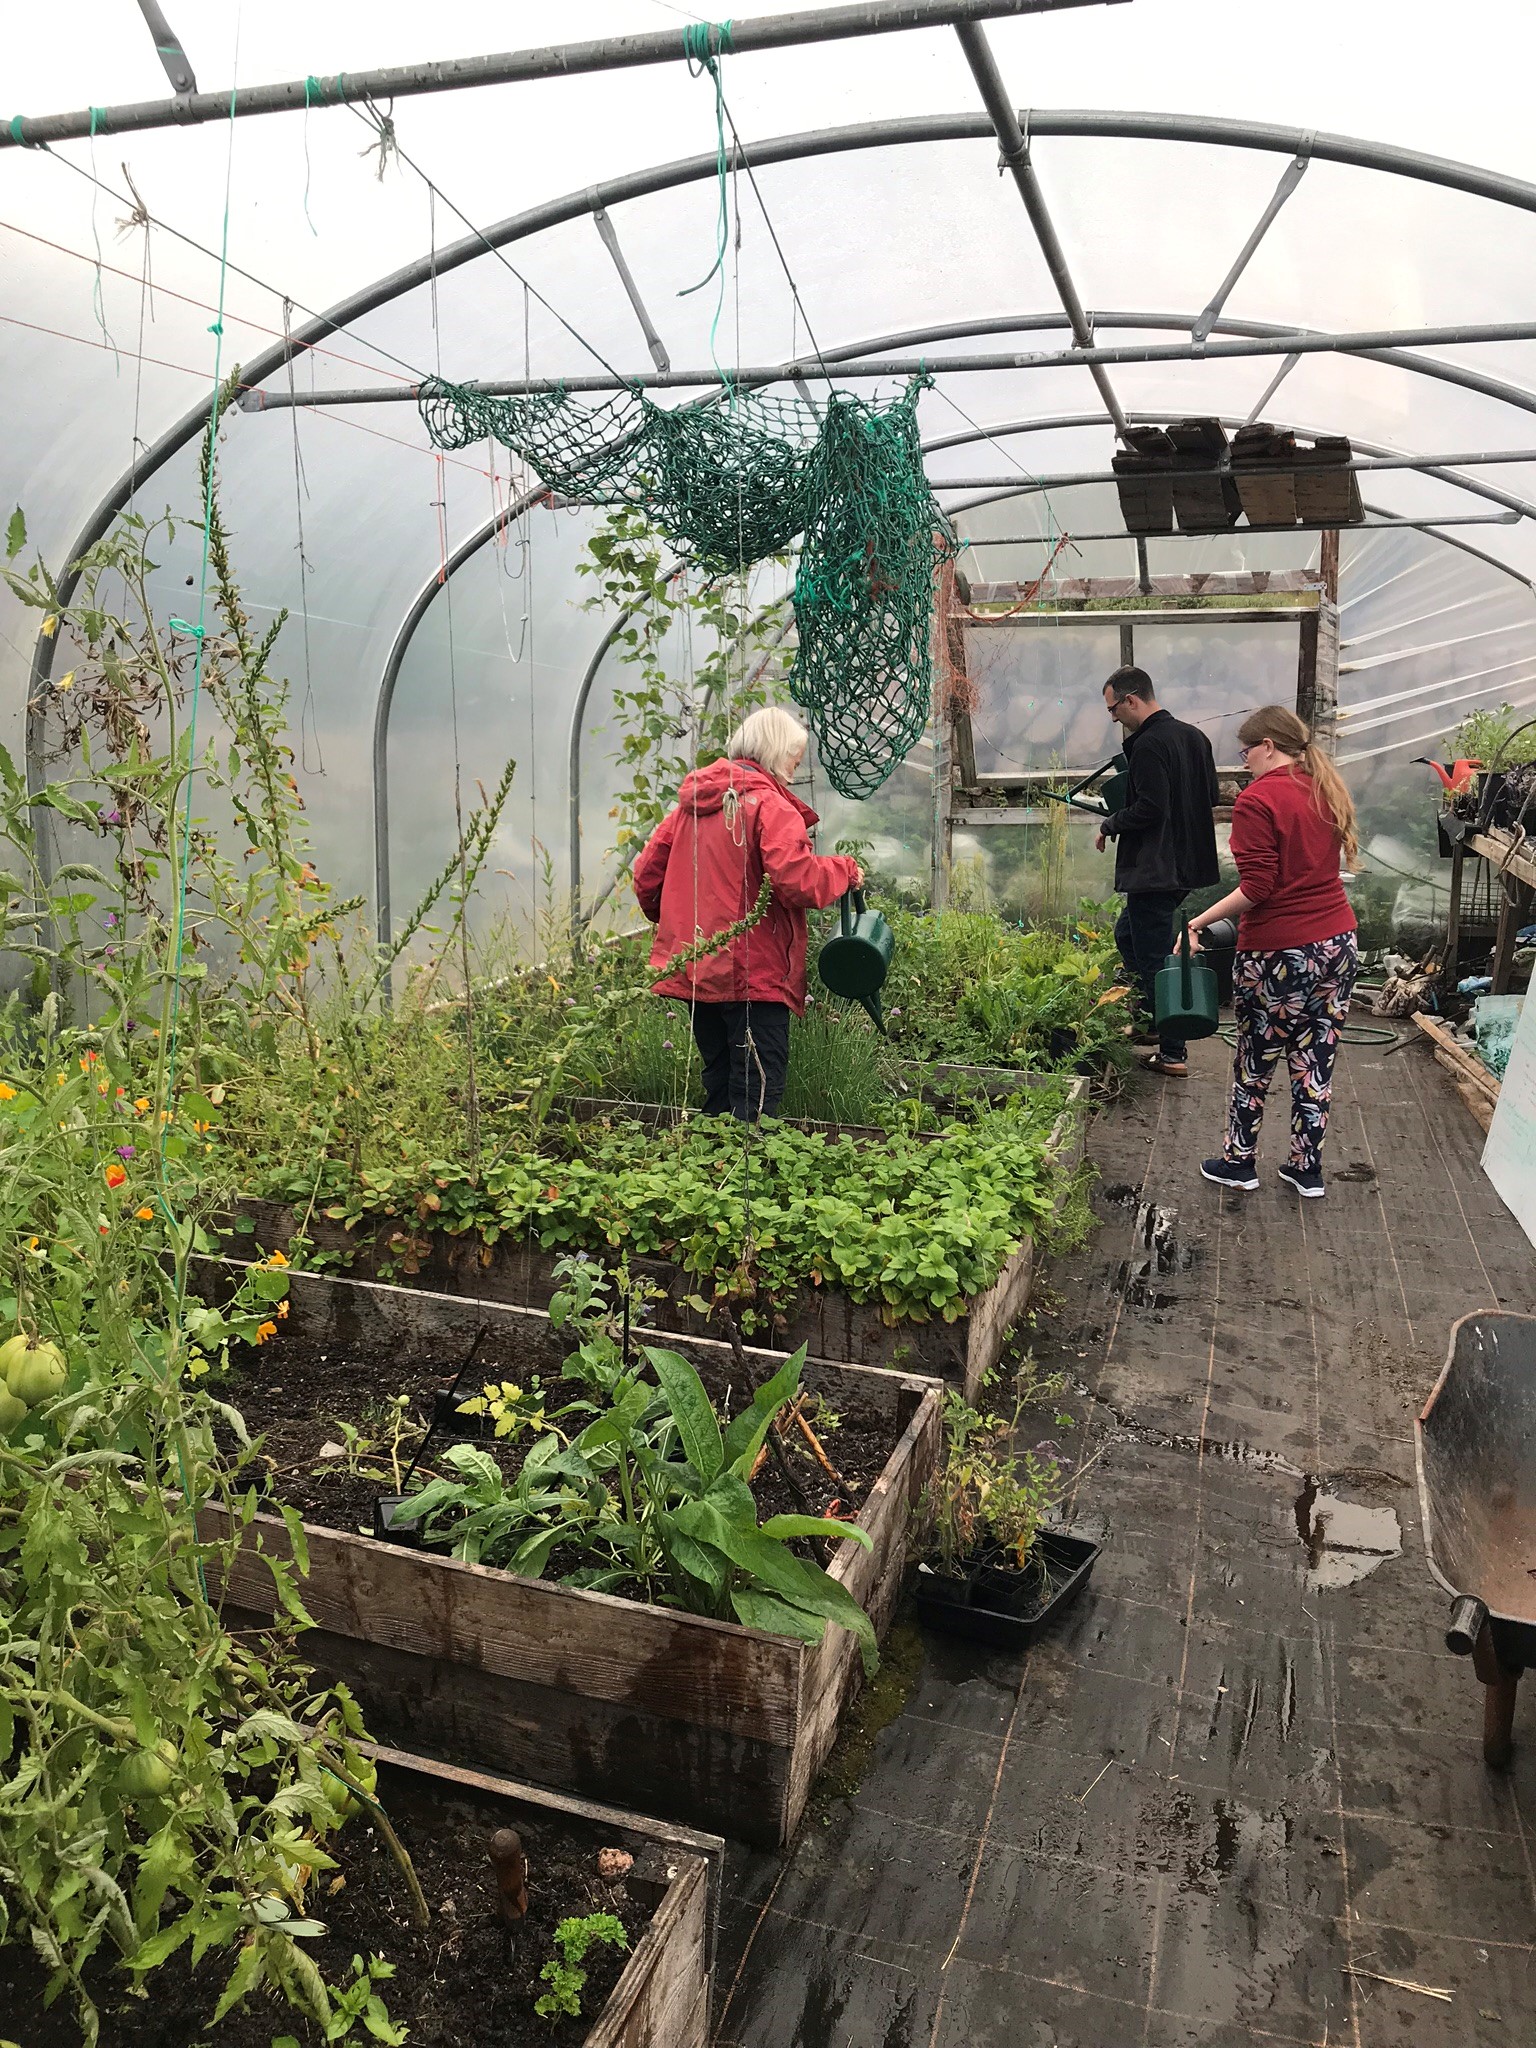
1165,834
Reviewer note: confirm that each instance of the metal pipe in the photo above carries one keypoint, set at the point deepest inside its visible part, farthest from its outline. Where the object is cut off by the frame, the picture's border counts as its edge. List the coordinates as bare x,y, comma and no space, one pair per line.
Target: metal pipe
610,241
573,769
168,49
1047,540
514,509
511,67
1290,178
1014,143
1092,357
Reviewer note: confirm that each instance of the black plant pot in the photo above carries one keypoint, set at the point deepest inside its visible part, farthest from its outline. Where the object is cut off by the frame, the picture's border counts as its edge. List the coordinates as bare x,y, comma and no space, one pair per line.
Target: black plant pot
392,1522
1000,1604
448,1422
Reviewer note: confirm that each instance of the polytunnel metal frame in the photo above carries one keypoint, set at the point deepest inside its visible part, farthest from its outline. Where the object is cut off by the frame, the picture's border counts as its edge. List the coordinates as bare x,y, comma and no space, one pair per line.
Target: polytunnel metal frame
488,530
1028,125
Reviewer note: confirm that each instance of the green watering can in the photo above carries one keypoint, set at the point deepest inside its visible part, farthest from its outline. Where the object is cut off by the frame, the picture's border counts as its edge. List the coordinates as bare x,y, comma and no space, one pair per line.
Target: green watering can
856,959
1185,1000
1110,798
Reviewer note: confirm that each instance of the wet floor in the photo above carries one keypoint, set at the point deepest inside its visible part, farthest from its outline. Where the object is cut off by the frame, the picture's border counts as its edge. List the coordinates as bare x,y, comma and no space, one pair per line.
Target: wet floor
1240,1788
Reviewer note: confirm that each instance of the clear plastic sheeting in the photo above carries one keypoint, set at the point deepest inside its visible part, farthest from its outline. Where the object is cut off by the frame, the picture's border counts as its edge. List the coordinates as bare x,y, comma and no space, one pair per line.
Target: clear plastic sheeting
882,241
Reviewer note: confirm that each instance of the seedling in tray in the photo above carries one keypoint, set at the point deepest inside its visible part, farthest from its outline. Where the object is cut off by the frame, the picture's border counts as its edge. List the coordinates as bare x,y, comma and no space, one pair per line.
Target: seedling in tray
987,1567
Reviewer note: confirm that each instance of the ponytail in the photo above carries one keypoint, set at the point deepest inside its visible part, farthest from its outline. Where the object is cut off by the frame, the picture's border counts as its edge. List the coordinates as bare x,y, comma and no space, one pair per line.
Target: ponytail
1332,800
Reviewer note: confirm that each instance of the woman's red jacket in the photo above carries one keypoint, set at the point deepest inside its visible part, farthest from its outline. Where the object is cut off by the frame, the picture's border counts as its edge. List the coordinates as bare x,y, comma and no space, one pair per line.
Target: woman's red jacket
702,870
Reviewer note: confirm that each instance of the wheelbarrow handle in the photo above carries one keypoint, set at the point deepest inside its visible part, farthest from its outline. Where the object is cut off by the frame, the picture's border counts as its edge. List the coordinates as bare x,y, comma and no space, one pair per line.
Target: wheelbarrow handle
1468,1615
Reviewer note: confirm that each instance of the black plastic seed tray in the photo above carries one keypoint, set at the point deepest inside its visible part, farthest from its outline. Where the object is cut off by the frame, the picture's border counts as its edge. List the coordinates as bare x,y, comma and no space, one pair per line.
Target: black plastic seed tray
1002,1605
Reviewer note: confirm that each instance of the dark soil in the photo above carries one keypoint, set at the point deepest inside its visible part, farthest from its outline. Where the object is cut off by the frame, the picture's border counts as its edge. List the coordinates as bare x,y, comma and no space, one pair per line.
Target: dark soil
294,1396
454,1984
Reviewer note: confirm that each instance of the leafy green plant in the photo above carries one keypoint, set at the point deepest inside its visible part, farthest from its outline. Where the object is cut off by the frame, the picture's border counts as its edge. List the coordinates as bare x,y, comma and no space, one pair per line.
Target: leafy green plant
563,1973
1495,738
684,699
636,1478
918,1226
970,988
358,2004
986,1494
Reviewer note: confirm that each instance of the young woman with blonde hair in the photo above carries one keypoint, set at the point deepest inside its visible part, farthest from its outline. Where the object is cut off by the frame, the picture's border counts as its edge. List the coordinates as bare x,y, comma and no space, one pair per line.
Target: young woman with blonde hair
1296,949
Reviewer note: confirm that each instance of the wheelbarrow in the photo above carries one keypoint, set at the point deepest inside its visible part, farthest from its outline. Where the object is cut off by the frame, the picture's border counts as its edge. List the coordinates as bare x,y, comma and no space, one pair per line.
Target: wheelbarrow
1476,1441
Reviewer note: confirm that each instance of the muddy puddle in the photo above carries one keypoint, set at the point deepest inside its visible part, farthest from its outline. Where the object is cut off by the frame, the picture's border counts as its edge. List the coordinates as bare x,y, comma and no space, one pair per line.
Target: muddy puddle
1345,1541
1146,1279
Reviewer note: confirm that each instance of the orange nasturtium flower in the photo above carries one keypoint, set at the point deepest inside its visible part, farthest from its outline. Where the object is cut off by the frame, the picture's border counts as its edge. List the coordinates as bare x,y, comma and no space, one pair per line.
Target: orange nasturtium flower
145,1215
140,1104
277,1258
114,1175
264,1331
7,1093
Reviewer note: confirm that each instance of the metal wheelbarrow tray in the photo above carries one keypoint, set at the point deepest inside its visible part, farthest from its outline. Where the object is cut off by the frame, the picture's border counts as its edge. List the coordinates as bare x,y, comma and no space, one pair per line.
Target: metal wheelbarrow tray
1476,1442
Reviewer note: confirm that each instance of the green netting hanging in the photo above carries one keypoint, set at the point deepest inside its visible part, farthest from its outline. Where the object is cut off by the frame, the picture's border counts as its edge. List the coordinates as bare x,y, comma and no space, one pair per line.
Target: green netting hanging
726,483
732,483
864,591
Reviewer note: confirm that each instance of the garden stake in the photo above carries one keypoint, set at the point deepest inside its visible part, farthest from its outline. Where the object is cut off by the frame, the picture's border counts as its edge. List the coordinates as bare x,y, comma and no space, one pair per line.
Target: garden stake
511,1867
815,1443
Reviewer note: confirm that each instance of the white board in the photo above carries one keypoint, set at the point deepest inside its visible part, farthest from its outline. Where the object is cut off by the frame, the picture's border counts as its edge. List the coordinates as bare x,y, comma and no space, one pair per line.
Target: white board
1509,1156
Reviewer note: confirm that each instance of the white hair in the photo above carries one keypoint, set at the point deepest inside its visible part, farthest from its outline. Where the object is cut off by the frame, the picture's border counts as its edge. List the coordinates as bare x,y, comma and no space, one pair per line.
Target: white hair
771,737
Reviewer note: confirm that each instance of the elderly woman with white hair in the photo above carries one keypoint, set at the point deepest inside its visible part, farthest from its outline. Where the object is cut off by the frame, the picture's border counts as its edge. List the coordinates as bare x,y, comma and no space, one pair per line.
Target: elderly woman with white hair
702,870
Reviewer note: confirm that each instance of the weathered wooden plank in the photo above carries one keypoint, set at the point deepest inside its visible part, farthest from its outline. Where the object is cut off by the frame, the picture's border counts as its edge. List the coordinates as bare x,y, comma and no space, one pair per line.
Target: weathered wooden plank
684,1667
1107,589
697,1718
699,1777
658,2002
372,1315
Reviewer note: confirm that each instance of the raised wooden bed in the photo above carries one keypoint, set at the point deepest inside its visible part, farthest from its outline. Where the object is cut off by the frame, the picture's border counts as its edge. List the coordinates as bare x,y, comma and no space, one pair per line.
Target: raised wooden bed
702,1721
662,1998
827,1321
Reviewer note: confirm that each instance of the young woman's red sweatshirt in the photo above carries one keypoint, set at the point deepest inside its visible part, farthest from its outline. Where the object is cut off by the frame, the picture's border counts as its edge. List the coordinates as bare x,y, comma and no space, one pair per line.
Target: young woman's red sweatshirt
1287,855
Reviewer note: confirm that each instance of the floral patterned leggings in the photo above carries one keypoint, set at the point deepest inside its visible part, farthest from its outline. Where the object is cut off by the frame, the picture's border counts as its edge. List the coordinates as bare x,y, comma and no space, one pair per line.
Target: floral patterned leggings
1292,1003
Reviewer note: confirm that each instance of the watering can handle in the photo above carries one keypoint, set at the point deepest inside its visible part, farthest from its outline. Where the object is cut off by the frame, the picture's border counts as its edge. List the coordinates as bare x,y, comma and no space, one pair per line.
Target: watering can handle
858,900
1186,967
855,899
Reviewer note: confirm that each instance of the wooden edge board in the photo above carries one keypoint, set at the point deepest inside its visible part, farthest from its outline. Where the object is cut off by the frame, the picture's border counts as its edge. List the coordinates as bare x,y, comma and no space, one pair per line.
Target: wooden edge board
1480,1106
877,1380
1471,1066
1487,1089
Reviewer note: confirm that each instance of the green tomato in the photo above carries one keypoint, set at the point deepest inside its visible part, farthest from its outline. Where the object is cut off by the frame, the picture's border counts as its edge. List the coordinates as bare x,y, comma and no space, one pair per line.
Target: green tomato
146,1773
11,1411
34,1373
343,1801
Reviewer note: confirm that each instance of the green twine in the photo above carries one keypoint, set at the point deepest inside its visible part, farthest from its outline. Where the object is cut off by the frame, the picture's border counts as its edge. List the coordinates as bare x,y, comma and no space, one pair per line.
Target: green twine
701,59
697,37
16,134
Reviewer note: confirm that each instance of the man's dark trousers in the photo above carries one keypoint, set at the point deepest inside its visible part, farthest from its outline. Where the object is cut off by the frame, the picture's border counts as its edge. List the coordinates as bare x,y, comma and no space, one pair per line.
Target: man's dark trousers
1144,933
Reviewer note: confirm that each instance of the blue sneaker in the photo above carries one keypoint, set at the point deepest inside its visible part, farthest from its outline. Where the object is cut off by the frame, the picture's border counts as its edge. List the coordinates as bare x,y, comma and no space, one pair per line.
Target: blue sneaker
1309,1184
1232,1173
